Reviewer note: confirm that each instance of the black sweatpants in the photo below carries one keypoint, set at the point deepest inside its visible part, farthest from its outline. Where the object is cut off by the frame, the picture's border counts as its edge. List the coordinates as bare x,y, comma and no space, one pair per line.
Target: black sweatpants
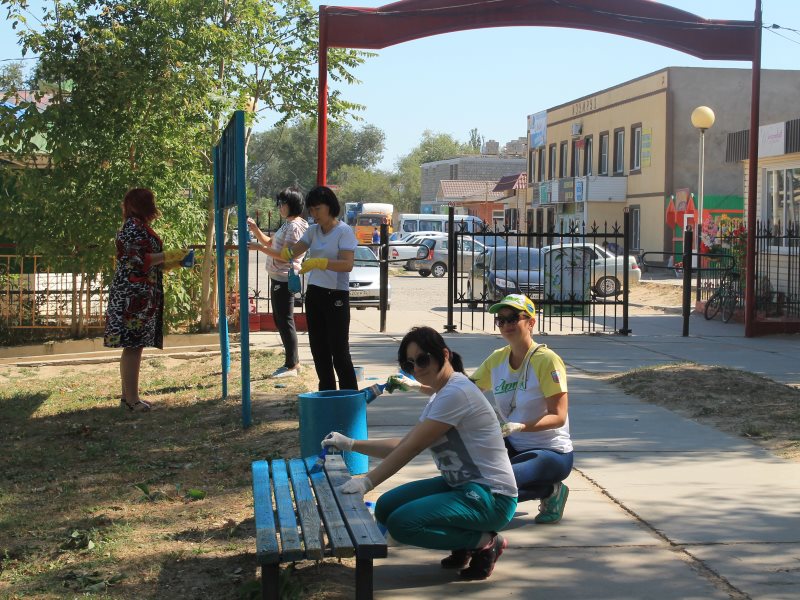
328,315
283,313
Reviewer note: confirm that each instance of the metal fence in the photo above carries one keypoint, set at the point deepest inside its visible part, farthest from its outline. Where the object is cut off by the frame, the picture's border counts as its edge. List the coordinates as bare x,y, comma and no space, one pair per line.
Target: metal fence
578,276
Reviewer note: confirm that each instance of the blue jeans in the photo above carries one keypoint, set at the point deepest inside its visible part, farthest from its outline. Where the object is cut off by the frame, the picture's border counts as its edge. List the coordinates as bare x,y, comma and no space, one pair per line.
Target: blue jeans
536,471
431,514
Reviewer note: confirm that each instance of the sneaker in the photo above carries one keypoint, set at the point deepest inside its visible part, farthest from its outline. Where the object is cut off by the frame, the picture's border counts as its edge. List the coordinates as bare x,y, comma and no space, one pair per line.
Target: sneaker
284,372
551,509
483,561
458,559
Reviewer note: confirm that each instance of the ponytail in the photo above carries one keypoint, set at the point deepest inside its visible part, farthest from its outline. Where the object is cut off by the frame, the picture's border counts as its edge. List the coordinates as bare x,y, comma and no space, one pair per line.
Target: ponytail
456,362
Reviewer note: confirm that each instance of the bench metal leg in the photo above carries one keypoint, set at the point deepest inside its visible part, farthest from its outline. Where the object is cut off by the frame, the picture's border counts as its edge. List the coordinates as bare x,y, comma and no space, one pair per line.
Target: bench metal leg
270,582
363,579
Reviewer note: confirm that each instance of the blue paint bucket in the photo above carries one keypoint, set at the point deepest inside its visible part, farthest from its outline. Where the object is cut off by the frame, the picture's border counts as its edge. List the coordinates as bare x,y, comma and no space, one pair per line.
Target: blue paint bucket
344,411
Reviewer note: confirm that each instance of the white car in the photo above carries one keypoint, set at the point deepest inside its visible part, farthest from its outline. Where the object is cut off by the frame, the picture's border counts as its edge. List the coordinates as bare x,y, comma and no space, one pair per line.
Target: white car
406,248
606,268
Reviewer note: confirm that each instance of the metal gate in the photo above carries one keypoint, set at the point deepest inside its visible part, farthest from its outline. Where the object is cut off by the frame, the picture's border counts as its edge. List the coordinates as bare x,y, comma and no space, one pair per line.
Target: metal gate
578,276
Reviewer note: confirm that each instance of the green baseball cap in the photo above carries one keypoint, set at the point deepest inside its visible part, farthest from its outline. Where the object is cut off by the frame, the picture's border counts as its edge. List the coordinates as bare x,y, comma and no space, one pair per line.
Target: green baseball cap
518,302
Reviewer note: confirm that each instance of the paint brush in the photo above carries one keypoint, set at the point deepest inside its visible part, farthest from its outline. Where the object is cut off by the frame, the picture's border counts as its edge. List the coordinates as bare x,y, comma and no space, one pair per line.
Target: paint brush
320,462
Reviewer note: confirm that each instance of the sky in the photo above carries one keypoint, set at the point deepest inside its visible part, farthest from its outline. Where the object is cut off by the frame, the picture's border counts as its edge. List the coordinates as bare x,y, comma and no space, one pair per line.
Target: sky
491,79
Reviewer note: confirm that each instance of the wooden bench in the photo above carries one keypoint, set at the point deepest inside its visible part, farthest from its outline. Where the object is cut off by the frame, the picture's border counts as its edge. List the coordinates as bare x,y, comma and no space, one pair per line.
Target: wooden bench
330,523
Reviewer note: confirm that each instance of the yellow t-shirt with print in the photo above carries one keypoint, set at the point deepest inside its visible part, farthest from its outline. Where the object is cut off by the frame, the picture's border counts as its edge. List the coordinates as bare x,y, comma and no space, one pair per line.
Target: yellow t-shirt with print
547,376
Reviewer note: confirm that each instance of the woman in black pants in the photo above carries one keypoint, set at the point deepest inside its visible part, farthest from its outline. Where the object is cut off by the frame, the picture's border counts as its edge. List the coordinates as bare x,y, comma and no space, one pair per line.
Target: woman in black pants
331,245
290,205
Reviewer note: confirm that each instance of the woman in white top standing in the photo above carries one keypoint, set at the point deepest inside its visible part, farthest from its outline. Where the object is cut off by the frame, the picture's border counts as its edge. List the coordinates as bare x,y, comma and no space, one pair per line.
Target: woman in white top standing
290,205
331,245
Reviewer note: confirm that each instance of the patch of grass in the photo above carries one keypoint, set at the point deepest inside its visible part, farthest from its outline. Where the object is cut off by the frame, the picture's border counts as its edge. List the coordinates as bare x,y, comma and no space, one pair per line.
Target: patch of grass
96,500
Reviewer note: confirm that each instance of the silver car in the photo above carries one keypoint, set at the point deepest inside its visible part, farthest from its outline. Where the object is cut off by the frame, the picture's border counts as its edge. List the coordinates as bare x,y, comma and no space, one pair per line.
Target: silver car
365,282
432,256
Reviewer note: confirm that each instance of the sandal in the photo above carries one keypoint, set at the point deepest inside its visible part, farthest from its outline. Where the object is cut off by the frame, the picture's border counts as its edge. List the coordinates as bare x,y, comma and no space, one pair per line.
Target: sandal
138,406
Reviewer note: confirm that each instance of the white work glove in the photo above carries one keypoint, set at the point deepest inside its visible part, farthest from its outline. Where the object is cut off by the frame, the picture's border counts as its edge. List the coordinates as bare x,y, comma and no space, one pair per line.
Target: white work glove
510,427
336,441
401,383
356,485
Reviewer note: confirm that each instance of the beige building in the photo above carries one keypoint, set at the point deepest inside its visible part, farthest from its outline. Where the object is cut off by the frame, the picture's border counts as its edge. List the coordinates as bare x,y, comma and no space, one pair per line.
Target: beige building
633,146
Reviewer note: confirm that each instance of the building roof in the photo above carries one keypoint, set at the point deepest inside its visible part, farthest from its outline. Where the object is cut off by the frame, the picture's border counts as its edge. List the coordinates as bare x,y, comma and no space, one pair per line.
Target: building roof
451,190
512,182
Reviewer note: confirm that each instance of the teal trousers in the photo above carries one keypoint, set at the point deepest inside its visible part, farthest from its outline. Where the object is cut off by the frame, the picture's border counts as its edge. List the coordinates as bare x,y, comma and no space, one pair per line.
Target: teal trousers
431,514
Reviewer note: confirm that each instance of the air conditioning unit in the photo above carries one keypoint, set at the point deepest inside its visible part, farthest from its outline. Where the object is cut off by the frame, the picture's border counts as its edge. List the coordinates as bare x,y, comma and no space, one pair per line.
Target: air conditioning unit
577,128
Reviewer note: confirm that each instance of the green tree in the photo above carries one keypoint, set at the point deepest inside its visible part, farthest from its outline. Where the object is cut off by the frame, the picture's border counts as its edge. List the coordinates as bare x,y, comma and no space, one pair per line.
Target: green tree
12,76
432,147
357,184
142,89
475,142
287,154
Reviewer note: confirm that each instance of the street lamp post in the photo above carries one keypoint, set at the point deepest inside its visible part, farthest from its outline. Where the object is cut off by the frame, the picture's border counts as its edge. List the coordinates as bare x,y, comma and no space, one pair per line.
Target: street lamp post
702,119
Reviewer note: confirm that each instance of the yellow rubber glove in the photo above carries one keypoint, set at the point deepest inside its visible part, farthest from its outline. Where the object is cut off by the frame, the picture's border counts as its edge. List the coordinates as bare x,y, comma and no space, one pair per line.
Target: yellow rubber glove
314,263
287,254
172,259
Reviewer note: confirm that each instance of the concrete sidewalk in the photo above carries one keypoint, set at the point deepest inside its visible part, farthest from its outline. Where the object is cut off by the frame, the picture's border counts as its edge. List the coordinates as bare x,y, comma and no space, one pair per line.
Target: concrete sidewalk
659,506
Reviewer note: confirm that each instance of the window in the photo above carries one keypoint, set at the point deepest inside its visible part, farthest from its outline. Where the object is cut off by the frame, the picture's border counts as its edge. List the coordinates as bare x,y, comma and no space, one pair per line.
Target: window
562,165
540,168
575,167
551,166
588,156
619,151
636,147
602,162
636,222
453,172
781,204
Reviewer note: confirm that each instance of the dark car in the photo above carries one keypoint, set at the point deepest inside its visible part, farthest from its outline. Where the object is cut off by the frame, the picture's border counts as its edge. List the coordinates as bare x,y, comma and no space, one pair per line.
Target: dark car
505,270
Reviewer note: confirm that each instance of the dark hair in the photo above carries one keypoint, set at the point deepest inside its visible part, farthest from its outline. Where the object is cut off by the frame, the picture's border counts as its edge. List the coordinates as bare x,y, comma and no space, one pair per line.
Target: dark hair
429,340
292,198
140,203
323,195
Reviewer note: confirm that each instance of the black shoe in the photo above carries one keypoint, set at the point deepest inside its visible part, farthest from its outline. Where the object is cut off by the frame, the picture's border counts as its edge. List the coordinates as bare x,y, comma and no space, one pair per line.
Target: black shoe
458,559
482,563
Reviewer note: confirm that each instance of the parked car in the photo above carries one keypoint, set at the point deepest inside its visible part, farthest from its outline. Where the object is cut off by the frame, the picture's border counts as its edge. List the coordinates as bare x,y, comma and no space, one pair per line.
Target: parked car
504,270
511,269
606,268
406,248
365,281
432,256
489,240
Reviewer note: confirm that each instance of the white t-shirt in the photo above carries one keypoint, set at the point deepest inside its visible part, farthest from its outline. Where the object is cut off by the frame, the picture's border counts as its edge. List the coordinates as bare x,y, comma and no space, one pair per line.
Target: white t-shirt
547,377
287,235
328,245
473,450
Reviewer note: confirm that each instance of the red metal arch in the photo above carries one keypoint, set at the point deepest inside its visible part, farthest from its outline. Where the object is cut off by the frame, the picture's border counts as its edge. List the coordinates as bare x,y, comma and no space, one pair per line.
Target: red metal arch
708,39
641,19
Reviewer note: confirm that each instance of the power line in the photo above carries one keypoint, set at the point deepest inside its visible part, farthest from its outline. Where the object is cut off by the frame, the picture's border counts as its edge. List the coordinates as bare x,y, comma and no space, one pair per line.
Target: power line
771,29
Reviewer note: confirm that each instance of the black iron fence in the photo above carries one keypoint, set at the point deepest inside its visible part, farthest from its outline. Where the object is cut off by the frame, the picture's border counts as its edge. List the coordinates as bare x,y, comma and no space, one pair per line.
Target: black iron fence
578,275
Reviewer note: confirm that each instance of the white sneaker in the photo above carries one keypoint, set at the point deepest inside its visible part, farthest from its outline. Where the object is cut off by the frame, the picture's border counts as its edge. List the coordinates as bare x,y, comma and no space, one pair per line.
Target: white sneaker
284,372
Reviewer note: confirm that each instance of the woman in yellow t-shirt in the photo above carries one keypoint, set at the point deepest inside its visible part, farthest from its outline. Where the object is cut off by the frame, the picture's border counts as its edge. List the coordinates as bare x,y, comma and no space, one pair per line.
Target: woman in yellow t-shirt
529,383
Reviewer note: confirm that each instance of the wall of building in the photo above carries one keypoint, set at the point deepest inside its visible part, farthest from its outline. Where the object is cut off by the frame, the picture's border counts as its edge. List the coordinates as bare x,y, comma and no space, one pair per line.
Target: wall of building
472,168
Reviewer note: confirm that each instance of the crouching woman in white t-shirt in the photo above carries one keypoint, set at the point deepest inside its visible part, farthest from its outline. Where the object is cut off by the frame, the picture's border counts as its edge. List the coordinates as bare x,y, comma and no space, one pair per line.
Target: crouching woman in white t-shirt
475,496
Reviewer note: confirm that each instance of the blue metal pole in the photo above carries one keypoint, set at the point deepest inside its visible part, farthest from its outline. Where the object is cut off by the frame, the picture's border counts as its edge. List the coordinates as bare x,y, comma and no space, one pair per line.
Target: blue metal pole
244,312
224,345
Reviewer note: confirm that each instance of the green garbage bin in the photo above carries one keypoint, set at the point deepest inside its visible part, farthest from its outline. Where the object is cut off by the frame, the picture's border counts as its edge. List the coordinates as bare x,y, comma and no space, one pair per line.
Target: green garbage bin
344,411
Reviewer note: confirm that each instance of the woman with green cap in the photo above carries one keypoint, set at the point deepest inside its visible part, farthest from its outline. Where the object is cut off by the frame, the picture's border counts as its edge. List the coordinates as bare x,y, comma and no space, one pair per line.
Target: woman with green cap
529,383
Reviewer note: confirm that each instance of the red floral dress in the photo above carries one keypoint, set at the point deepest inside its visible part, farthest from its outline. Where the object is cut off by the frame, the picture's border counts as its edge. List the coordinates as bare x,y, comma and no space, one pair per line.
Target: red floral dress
135,313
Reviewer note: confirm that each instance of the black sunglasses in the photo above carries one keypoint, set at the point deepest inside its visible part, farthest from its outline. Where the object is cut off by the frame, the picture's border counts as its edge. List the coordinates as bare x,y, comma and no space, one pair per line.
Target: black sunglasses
500,321
422,361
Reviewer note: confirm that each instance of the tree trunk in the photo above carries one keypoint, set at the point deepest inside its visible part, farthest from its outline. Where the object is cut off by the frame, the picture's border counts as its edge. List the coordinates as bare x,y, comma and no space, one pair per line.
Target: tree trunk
208,288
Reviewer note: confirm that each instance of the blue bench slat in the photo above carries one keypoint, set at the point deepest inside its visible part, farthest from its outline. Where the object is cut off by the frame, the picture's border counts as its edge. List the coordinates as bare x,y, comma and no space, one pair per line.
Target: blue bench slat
266,540
369,541
290,539
338,536
306,509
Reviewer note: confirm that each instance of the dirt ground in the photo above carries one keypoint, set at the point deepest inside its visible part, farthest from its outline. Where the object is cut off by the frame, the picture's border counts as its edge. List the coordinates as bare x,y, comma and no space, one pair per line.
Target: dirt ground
95,500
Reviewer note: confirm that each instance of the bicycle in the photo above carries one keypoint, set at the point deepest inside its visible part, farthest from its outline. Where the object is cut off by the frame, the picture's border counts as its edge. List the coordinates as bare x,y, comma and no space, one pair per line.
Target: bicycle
725,297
